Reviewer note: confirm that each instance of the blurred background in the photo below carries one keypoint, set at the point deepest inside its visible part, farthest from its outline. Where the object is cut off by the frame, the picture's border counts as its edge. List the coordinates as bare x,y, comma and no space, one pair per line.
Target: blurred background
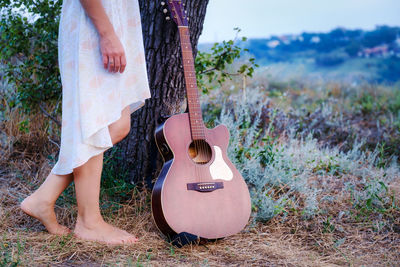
348,40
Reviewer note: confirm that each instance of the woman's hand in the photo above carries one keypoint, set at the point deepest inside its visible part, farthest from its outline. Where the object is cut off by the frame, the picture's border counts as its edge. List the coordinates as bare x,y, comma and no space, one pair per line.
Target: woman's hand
113,53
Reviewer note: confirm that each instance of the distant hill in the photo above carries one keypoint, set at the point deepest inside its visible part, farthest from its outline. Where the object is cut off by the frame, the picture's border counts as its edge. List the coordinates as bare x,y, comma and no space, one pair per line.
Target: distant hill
375,52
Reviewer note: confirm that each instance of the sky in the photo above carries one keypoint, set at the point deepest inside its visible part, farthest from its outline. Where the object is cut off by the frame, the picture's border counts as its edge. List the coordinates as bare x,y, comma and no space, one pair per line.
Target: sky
263,18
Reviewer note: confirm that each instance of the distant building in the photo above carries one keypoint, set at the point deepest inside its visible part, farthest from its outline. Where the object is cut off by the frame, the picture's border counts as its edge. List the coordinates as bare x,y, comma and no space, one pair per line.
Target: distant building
285,39
273,43
397,41
315,39
377,51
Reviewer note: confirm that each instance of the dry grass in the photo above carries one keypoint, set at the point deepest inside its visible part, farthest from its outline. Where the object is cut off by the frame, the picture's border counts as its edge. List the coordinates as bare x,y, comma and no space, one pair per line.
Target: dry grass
283,241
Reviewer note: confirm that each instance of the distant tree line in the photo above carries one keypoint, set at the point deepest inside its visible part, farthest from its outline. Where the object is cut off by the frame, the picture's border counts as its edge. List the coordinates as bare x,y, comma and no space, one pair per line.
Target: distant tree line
352,41
332,48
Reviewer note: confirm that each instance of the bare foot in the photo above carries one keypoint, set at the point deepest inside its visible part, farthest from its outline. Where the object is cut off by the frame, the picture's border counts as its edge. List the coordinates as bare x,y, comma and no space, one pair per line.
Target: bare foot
44,212
103,232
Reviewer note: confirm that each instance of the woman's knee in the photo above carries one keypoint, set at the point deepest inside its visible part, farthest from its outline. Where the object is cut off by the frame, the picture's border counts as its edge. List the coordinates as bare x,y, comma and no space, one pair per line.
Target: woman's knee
125,128
120,129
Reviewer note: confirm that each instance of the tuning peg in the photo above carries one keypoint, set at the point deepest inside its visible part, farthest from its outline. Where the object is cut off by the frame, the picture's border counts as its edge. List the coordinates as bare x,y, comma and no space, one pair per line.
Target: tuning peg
167,18
165,10
162,3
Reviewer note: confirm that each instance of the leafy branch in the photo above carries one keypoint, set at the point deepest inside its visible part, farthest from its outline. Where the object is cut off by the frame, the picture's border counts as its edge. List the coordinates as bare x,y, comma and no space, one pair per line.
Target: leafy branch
211,66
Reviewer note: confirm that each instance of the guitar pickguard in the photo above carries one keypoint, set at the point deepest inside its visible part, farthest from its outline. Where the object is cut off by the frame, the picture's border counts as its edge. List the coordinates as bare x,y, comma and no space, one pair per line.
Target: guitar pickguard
219,169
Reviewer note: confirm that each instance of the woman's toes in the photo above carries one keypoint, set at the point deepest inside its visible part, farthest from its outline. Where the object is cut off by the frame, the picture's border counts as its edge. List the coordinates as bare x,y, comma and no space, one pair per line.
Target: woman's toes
103,232
130,240
62,230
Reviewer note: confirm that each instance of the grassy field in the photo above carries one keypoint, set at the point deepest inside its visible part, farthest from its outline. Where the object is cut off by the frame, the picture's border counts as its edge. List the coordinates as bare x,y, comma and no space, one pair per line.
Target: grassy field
320,159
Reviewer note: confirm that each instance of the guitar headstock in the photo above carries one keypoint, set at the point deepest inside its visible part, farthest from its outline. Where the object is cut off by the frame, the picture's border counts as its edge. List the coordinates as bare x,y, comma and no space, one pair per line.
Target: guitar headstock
178,12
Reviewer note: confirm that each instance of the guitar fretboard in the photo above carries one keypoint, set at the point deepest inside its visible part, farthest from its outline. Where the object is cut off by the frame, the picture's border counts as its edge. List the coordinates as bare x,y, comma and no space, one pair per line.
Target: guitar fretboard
195,116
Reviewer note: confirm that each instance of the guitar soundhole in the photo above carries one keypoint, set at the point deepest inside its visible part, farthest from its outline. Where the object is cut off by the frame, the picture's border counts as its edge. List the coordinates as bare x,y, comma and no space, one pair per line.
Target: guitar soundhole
200,151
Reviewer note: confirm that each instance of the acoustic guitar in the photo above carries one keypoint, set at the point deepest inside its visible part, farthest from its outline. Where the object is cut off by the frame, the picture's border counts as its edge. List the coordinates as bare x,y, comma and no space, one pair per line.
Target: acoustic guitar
198,191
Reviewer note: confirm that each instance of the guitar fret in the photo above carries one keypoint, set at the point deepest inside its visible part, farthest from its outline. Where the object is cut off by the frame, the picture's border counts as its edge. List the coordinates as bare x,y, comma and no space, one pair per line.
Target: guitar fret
195,114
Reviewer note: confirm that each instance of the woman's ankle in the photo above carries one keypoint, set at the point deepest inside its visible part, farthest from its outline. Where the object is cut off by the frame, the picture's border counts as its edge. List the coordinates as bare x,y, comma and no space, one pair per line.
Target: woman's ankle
90,220
38,198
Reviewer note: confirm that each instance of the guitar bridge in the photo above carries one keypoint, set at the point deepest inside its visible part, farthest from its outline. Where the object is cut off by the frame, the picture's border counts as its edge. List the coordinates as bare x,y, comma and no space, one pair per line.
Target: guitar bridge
205,187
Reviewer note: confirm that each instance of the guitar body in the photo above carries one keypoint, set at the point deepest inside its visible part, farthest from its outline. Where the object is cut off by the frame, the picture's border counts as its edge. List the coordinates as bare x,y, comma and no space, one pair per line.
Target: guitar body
199,190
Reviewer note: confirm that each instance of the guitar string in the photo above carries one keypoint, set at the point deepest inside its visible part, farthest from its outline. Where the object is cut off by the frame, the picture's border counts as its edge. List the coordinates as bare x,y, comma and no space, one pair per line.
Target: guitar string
197,145
201,145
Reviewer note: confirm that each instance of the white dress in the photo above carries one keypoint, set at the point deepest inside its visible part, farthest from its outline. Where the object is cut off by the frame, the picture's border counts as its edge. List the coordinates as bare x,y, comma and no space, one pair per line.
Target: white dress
93,97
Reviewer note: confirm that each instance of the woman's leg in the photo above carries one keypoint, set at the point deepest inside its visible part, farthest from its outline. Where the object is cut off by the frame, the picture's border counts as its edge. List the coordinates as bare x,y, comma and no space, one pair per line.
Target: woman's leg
40,204
90,224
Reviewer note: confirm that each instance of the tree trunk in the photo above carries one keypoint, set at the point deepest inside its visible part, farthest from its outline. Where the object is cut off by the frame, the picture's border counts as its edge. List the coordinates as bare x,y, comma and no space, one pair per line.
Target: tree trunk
137,154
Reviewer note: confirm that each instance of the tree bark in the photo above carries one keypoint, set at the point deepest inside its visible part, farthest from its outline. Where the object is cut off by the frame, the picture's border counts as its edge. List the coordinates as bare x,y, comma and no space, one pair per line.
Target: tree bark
137,154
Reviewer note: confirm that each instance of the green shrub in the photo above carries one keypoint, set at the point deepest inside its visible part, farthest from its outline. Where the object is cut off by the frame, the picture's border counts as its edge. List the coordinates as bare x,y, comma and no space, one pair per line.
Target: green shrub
29,51
295,175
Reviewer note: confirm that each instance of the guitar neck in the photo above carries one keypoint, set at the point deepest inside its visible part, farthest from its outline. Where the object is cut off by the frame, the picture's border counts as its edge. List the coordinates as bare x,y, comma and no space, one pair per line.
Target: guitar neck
192,93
